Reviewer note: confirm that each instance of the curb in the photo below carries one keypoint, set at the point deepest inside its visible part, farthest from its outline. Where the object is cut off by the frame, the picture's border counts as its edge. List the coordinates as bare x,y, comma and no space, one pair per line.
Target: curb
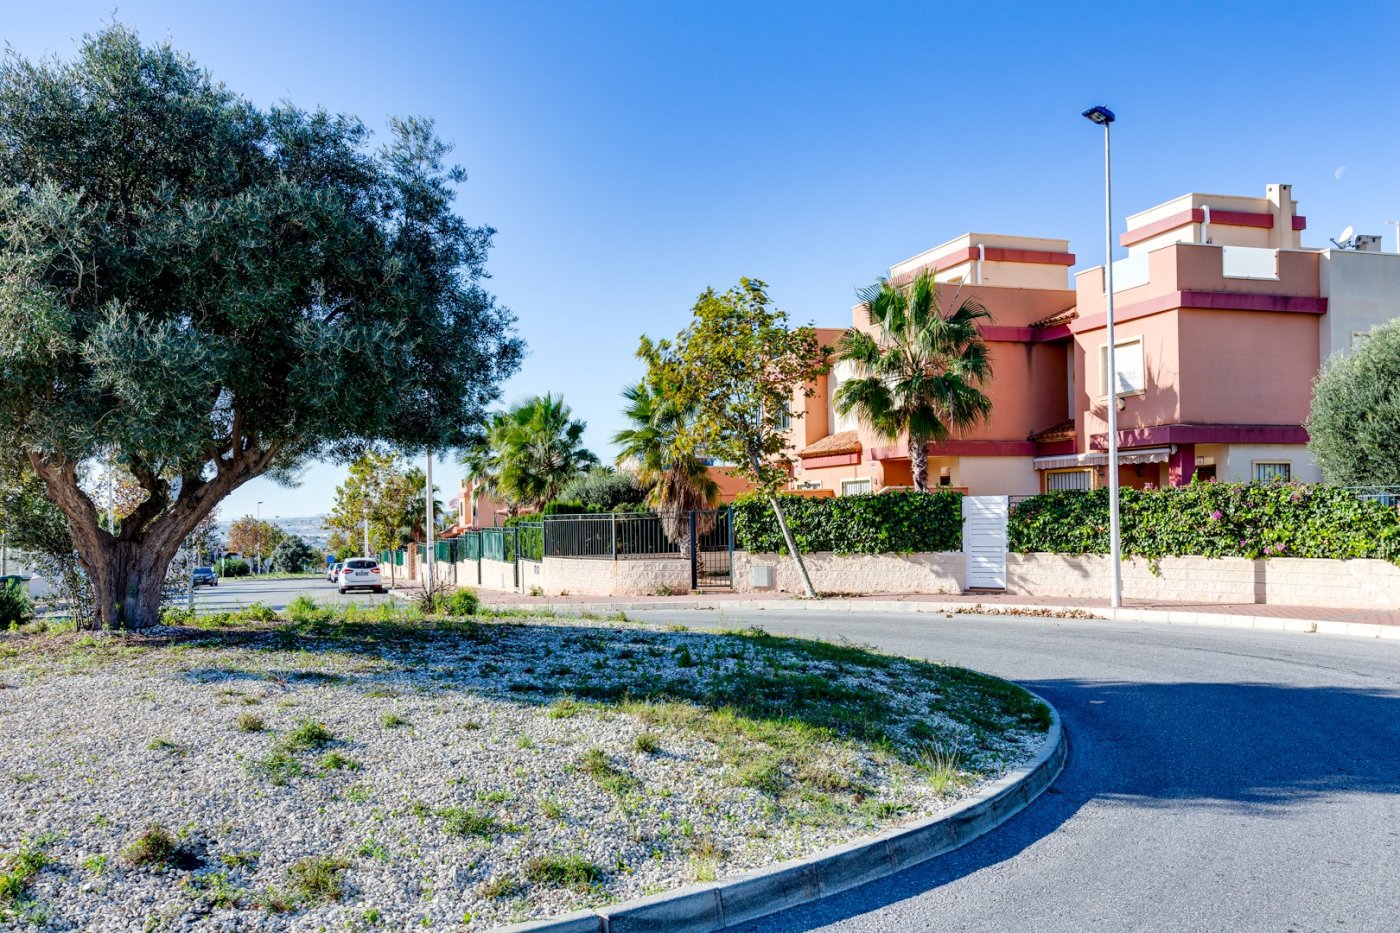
1164,616
705,908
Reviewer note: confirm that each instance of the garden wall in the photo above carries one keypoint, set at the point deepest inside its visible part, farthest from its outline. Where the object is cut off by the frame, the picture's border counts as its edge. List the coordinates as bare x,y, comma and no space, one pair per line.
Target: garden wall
556,576
497,574
857,573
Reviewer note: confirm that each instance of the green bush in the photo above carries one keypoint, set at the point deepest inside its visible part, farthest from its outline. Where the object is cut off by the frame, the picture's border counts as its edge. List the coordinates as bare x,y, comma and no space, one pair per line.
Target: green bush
1254,520
602,490
891,522
234,567
16,608
293,555
461,602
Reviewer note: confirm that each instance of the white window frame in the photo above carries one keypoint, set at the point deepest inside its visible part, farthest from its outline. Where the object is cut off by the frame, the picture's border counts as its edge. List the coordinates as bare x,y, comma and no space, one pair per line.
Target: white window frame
1118,346
1087,471
1254,466
868,481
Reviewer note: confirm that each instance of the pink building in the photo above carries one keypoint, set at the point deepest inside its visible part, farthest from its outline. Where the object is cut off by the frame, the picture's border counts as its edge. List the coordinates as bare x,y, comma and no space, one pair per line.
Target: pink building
1222,316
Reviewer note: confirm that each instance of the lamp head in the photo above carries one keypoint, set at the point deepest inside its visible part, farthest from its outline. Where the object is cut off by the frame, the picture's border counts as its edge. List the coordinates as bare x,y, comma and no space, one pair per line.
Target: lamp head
1100,115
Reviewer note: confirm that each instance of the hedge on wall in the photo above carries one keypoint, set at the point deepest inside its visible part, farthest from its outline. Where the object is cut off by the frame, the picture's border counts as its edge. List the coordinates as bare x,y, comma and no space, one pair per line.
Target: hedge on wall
1254,520
891,522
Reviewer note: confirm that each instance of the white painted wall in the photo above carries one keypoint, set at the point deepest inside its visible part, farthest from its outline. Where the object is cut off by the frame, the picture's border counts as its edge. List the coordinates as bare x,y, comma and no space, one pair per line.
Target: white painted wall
996,476
1362,290
1238,463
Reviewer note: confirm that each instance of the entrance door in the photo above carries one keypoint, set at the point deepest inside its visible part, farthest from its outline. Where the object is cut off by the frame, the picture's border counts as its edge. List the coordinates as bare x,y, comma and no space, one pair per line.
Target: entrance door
984,541
711,548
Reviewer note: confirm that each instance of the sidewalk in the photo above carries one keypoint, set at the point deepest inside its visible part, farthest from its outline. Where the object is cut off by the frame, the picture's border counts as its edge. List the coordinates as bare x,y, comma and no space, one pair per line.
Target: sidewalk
1368,623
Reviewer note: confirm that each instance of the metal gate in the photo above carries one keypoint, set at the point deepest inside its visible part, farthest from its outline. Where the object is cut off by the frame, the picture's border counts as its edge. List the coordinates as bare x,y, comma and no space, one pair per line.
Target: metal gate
984,541
711,548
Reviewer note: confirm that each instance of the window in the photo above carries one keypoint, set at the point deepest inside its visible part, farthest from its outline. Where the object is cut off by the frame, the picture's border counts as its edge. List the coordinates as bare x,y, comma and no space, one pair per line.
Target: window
1056,480
1268,471
855,487
1128,357
785,419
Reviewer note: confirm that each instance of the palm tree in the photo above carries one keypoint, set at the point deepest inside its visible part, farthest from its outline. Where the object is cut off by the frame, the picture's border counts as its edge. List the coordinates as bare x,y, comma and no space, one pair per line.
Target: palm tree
532,451
921,377
658,443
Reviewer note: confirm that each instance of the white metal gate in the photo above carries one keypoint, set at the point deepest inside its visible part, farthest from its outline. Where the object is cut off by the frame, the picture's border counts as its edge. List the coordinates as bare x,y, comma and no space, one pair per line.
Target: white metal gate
984,541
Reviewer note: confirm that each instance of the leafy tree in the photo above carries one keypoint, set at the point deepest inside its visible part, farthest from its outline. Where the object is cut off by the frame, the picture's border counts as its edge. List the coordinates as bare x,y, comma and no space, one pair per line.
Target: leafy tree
532,450
922,375
1354,424
409,489
375,488
293,555
217,292
661,441
250,537
603,489
737,366
32,523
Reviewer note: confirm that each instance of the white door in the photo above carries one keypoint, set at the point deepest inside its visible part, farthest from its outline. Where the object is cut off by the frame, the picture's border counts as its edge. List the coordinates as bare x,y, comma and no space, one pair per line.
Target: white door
984,541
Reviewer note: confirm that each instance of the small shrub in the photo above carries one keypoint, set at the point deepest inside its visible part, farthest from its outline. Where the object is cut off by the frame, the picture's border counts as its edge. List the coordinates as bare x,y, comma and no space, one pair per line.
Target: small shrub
572,871
16,608
683,658
459,603
154,848
647,743
234,567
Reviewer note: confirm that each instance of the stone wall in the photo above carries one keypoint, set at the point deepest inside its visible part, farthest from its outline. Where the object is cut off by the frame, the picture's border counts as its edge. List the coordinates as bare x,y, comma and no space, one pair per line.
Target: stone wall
498,575
857,573
639,577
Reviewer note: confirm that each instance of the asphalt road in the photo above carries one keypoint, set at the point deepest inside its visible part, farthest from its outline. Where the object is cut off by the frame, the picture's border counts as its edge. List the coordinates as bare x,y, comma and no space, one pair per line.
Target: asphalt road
275,594
1217,780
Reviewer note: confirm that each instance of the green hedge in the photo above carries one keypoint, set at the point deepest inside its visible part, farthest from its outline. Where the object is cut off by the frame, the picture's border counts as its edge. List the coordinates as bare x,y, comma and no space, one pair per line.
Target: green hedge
891,522
1254,520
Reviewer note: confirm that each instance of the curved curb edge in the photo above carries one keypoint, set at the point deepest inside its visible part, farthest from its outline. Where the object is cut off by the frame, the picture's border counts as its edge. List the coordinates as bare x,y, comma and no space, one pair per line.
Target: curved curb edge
714,906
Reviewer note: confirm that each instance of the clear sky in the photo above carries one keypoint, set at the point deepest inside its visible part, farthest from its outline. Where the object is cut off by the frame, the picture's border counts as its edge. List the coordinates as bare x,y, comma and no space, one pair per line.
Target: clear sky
630,154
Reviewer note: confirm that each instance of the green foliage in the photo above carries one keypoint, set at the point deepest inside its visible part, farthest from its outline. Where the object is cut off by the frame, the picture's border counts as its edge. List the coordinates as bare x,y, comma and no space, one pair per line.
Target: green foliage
249,536
921,374
155,847
891,522
16,608
1254,520
571,870
234,567
293,555
602,489
1354,424
532,451
459,603
217,291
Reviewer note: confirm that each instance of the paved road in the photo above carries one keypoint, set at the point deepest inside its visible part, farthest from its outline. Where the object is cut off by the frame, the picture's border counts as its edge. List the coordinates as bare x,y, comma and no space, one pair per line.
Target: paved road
1217,780
275,594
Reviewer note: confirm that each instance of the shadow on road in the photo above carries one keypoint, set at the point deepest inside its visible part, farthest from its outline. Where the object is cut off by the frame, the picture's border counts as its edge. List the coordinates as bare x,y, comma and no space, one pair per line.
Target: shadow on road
1254,749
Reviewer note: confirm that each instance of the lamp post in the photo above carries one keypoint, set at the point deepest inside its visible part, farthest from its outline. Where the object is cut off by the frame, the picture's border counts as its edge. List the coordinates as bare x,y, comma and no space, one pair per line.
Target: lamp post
257,538
428,513
1104,117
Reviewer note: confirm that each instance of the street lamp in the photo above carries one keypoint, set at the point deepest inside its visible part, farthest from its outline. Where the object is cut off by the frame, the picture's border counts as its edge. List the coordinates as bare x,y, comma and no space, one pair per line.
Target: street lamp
1104,117
257,537
428,514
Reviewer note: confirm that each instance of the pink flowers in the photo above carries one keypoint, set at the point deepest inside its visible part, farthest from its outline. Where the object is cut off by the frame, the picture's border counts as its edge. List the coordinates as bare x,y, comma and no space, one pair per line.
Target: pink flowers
1216,516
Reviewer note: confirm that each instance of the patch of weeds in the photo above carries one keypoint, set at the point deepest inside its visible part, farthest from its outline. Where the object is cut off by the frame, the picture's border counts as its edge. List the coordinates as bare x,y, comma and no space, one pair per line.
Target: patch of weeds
881,809
371,916
317,879
704,869
278,766
596,764
249,722
565,707
471,725
216,890
16,871
382,693
828,779
524,742
552,808
706,848
335,761
95,864
763,774
460,821
392,721
494,796
648,743
238,859
157,848
573,871
373,848
503,886
941,767
308,735
357,793
683,658
163,744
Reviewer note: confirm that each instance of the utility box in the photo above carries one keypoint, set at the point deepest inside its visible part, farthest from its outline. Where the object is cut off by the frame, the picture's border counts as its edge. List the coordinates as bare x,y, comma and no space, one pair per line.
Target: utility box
761,577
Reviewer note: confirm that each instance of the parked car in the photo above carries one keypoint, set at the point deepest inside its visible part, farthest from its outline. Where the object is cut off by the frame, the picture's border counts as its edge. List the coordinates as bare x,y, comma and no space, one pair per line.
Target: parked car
205,576
360,573
333,571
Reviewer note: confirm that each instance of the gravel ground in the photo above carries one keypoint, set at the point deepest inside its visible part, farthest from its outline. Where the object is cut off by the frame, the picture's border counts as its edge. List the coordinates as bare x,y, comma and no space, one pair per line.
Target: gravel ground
471,775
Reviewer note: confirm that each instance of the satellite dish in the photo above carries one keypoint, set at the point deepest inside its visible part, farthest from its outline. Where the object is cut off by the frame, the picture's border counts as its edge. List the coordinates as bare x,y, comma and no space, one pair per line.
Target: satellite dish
1343,241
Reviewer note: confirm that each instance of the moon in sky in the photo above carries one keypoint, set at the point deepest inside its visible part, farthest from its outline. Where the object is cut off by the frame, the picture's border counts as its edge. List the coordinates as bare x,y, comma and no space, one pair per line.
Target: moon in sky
1339,172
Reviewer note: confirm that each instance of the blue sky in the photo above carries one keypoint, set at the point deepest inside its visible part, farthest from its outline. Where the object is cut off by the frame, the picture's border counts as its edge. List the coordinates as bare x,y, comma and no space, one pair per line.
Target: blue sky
630,154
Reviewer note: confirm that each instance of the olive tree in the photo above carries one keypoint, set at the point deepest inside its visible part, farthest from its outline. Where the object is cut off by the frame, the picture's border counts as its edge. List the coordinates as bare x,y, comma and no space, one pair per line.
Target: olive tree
210,291
1354,424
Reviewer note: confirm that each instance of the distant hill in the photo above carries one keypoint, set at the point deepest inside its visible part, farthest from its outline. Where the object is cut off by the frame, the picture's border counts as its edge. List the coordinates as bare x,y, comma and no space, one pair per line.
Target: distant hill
310,528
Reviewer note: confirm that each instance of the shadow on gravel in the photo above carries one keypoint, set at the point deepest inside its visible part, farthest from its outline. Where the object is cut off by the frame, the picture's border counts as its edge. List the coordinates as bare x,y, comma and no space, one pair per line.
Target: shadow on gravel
1254,749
